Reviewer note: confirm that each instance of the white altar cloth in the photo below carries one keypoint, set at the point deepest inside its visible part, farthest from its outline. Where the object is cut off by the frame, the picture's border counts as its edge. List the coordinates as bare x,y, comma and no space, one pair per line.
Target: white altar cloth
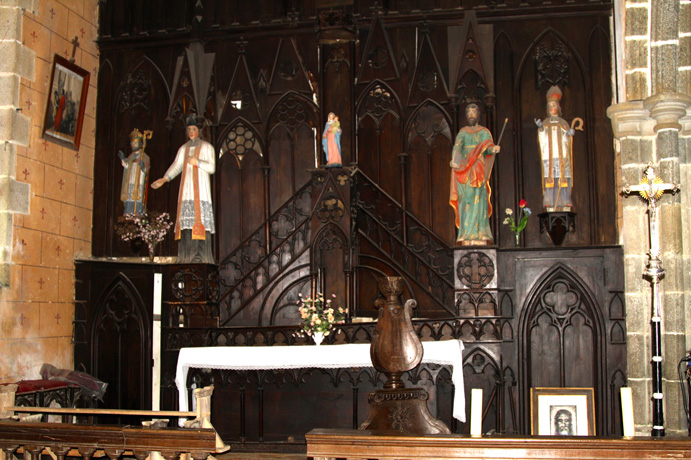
446,352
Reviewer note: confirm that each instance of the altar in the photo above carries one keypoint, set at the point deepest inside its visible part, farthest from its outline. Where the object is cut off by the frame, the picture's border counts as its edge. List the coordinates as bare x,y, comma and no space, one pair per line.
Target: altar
356,355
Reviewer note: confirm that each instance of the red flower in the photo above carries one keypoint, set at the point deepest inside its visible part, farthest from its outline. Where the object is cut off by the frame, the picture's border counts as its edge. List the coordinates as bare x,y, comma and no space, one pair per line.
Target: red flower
522,204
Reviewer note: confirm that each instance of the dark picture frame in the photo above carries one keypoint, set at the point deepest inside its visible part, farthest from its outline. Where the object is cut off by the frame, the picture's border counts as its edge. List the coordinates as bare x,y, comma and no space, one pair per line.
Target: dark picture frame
64,117
562,411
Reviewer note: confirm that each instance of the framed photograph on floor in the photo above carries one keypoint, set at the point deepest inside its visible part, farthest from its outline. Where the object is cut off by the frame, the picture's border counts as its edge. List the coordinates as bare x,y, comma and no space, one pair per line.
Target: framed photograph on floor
562,411
67,93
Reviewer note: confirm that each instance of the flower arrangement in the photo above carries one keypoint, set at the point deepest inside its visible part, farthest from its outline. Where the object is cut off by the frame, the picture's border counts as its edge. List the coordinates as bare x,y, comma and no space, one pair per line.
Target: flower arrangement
517,228
151,228
319,315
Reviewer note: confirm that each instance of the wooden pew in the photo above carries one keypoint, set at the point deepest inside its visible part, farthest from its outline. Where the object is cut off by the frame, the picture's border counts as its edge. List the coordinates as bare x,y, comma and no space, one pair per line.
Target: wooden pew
197,439
113,441
362,444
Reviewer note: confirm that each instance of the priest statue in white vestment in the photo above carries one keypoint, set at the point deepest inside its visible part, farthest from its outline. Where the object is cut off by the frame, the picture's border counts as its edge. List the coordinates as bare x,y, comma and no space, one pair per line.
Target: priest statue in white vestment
194,224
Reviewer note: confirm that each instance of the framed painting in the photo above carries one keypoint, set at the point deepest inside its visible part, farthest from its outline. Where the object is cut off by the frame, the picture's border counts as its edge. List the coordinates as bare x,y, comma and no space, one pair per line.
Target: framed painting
67,93
562,411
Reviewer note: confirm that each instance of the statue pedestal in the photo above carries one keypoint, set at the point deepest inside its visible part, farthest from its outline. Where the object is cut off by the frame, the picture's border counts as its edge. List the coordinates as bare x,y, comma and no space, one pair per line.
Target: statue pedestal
557,225
403,410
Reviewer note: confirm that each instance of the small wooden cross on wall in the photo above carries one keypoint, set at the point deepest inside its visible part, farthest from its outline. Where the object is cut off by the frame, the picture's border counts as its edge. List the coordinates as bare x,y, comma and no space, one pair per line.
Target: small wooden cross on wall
75,45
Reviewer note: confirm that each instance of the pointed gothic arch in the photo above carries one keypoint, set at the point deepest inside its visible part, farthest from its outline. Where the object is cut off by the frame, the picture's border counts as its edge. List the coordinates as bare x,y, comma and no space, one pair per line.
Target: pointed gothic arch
293,134
239,184
482,370
239,138
379,136
378,99
119,354
562,339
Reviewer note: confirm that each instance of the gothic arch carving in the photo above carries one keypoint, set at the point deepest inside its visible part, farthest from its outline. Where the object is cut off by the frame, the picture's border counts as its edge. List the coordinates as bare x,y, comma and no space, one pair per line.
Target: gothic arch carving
292,110
292,136
136,87
239,180
428,121
329,238
120,341
550,33
376,101
481,370
239,138
562,338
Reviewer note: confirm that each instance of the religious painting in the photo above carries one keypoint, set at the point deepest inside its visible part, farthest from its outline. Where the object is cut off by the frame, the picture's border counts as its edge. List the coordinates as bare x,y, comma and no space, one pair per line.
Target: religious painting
64,116
562,411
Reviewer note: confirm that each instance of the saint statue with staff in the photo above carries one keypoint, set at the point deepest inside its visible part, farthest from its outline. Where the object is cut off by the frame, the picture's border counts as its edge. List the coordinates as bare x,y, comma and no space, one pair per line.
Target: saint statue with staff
555,137
472,159
135,177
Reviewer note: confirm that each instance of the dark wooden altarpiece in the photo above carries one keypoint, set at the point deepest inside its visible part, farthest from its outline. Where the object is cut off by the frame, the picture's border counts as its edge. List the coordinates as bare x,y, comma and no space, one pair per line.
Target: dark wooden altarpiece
399,74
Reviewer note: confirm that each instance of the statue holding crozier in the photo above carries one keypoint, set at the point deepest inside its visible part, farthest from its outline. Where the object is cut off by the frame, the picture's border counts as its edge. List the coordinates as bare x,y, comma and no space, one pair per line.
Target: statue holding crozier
135,176
555,137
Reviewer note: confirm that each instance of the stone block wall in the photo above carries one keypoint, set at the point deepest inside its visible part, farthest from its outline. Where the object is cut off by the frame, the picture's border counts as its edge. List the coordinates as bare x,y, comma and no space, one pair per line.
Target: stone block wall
45,189
653,124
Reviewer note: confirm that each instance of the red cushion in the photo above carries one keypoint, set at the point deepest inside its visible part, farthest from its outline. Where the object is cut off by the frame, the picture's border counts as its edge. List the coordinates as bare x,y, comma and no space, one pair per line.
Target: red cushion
25,386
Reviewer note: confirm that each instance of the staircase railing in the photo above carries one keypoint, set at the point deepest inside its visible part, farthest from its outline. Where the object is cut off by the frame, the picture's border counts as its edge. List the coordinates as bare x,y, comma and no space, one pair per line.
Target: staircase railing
414,248
266,270
264,255
255,247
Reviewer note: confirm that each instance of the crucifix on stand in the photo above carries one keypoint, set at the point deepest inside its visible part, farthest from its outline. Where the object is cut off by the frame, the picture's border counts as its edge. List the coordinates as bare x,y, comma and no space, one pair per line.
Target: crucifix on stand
651,189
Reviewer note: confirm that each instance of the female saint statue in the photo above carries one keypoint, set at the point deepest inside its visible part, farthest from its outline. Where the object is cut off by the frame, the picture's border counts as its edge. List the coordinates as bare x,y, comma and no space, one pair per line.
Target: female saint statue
331,141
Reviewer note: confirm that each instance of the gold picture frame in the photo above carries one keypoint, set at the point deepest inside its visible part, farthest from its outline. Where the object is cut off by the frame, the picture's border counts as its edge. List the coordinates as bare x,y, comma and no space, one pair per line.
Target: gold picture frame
64,117
562,411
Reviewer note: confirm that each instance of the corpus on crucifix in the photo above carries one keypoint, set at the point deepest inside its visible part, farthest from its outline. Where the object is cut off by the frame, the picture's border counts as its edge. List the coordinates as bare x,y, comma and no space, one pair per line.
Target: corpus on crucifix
651,189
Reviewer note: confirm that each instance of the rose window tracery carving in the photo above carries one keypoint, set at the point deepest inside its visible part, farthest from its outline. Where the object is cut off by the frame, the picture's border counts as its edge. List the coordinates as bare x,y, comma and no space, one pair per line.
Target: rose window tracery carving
475,270
239,141
378,102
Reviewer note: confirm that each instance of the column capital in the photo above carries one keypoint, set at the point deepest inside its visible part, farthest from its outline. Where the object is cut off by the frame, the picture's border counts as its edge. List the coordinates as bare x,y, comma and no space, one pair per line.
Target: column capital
667,109
646,117
630,119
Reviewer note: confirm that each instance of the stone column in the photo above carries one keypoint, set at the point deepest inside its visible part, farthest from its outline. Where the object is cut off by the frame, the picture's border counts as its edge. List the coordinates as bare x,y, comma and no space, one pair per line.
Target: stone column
15,128
654,125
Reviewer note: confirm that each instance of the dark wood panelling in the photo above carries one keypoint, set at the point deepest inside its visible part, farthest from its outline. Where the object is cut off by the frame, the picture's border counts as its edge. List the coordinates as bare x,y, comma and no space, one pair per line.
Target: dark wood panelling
112,330
399,75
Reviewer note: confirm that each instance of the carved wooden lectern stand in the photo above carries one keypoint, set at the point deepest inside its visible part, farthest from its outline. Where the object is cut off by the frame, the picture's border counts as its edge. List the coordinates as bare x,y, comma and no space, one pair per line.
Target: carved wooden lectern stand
396,349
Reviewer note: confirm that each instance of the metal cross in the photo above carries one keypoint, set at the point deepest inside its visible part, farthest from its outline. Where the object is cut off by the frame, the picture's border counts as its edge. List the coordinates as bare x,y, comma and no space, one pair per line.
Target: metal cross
651,189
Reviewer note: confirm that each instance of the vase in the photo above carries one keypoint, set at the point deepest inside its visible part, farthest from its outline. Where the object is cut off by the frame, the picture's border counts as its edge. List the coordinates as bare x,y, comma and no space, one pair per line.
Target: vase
318,337
518,238
152,252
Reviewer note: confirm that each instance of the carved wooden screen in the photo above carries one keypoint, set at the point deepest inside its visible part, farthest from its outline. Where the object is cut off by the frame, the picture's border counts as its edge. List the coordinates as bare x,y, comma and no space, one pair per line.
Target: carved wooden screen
120,337
562,334
399,76
429,143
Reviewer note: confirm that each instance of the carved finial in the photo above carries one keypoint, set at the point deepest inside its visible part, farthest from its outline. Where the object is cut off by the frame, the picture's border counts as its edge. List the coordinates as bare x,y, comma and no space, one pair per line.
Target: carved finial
376,9
242,44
